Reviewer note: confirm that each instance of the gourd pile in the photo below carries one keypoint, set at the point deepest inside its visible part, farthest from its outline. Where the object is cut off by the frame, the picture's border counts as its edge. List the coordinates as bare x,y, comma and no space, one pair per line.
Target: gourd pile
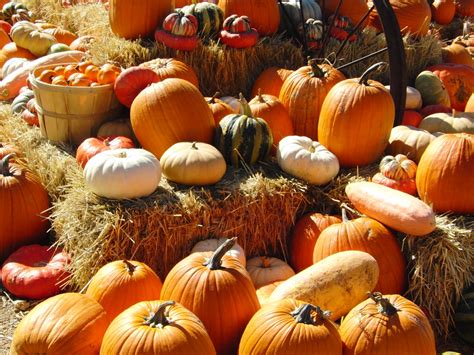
342,288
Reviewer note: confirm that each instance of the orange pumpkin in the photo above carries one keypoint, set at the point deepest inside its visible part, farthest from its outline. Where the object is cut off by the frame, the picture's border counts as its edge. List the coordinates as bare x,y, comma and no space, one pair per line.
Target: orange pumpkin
217,288
10,50
290,327
470,104
354,9
444,171
62,35
264,292
465,8
4,38
304,237
443,11
169,112
303,93
172,68
388,325
356,120
457,53
272,110
270,81
132,19
412,118
157,327
219,108
7,148
264,14
367,235
82,43
69,323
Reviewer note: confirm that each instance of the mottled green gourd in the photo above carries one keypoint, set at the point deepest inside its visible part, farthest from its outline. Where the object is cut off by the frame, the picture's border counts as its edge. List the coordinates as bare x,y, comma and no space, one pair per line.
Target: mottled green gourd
210,17
243,138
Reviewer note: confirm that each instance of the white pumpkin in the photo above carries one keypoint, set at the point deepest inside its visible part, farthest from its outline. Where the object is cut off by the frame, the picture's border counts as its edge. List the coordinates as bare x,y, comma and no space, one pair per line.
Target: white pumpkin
413,99
212,245
123,173
307,159
193,164
233,102
455,122
12,64
265,270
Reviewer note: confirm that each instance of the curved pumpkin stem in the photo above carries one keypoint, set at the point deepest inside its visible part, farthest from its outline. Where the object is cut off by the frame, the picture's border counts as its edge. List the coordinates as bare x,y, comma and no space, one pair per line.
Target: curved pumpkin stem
385,307
265,261
159,318
4,165
130,267
304,314
215,262
259,95
212,100
316,71
194,146
364,79
345,219
245,106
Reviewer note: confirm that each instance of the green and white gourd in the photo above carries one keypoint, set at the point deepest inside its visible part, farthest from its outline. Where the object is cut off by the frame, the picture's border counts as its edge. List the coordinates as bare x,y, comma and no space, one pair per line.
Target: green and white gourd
210,18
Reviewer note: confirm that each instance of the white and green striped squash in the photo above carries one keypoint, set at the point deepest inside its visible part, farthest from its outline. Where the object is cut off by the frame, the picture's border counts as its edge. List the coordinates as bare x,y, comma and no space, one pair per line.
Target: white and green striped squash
210,17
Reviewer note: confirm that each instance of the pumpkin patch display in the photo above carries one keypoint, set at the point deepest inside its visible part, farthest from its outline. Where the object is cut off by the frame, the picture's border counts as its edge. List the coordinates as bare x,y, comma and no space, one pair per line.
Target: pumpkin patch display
93,146
291,327
123,173
24,218
11,65
211,245
122,283
62,36
243,138
131,82
264,270
210,17
157,327
443,171
35,272
397,173
193,163
270,80
306,159
388,324
48,328
237,32
216,288
454,122
356,118
179,31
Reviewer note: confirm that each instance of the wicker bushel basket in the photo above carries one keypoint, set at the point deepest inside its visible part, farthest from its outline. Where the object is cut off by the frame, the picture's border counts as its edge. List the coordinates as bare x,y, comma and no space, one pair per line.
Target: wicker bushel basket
71,114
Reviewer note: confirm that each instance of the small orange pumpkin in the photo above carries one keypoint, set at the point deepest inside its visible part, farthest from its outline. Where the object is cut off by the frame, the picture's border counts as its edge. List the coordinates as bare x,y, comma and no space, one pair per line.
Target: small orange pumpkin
270,81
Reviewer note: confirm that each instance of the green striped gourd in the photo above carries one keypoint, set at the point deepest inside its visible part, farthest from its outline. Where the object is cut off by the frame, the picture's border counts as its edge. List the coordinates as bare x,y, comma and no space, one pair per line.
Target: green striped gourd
243,137
210,17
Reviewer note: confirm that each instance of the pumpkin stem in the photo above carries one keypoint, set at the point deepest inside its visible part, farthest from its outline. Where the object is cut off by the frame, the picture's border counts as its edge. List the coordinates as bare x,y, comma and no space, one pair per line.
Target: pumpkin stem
364,79
159,320
259,95
304,314
215,262
385,307
193,146
4,168
344,215
130,267
265,262
107,141
316,71
212,100
245,106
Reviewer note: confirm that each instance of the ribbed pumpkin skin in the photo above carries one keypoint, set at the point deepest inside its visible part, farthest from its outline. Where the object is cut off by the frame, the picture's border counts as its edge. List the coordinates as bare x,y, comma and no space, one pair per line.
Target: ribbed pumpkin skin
172,68
160,118
270,81
356,121
367,331
264,14
69,323
432,89
303,93
23,202
219,108
119,285
470,104
457,53
131,19
223,299
410,141
368,235
274,330
444,172
241,137
128,334
305,234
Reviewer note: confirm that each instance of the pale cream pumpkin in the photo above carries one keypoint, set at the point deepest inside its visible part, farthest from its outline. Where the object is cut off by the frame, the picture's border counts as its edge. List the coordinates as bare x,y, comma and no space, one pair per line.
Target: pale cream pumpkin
456,122
123,173
413,98
193,164
410,141
307,159
212,245
265,270
29,36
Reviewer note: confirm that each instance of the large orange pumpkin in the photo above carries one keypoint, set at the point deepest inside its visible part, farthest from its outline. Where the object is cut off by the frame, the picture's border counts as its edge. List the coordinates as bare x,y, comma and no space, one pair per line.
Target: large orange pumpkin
356,120
132,19
62,35
290,327
414,16
264,14
388,325
217,288
303,93
10,50
69,323
443,11
159,328
120,284
270,81
445,173
169,112
458,80
172,68
23,205
354,9
368,235
303,239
